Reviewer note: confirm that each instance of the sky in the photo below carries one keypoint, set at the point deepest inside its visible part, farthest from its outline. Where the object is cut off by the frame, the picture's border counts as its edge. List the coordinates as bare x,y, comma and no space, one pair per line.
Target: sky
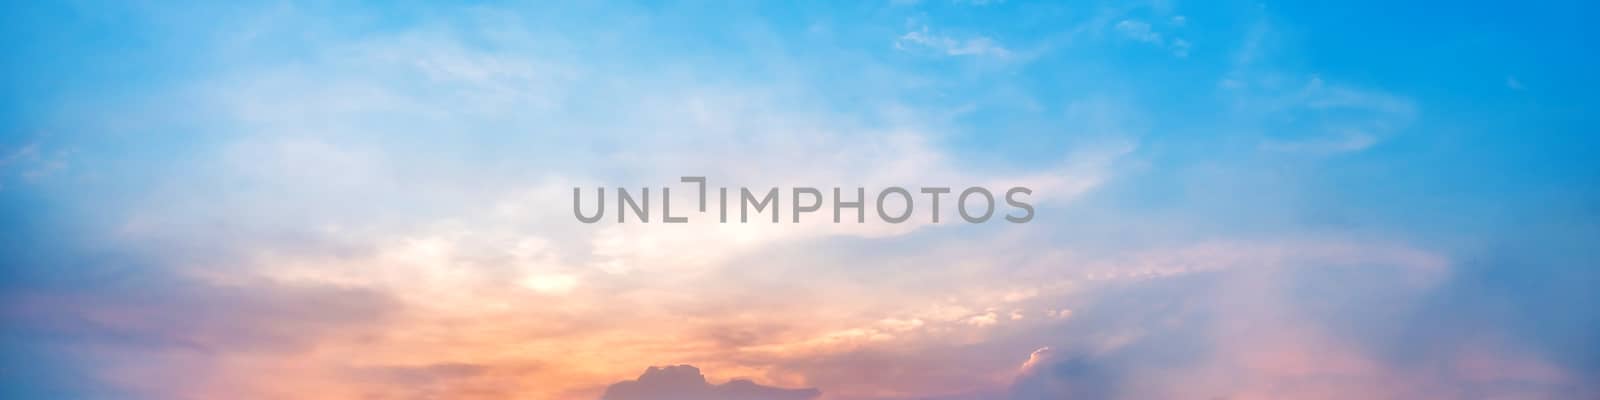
1234,200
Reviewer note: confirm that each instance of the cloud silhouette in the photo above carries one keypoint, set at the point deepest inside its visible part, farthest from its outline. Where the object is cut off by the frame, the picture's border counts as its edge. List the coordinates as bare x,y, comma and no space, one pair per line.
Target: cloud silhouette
684,382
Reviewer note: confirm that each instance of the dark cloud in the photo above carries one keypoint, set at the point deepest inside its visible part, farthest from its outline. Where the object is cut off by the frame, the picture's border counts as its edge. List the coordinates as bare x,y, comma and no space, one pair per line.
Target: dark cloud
183,314
1314,332
71,313
1045,377
684,382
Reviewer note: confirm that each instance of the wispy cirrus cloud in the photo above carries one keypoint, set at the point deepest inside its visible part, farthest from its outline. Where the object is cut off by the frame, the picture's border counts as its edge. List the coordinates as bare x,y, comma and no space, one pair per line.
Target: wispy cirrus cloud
923,40
1142,31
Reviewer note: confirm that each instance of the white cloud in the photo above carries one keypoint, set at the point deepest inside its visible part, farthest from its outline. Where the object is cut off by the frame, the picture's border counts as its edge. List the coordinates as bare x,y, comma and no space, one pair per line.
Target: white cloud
1143,32
550,284
32,162
1180,48
923,40
985,319
1337,142
1140,31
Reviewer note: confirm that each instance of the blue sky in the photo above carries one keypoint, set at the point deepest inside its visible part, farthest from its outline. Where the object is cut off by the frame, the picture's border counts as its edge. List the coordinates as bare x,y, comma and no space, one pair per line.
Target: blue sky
1405,191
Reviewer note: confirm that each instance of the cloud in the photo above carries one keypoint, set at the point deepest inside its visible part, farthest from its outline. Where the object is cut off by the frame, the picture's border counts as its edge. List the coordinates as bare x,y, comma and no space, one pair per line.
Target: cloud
1281,331
1143,32
1318,116
923,40
960,341
1139,30
423,375
1338,142
684,382
162,336
373,153
1294,112
1180,48
383,215
1046,375
32,162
